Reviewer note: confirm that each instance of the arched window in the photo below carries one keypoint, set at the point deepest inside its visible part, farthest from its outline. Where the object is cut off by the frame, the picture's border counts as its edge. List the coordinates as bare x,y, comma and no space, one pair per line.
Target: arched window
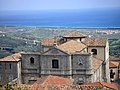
31,60
55,63
94,51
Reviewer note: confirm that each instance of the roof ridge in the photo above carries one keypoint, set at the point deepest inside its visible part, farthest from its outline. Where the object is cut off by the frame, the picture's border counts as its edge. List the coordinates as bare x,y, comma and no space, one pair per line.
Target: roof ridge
114,63
55,48
75,34
13,57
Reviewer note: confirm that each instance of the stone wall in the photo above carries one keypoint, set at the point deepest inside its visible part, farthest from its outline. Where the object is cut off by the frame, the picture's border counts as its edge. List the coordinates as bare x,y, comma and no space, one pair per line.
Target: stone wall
100,52
30,70
8,72
107,62
46,65
82,69
97,76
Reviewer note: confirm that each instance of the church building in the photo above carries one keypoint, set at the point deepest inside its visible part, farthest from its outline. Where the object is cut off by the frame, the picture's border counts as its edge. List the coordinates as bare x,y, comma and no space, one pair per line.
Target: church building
74,56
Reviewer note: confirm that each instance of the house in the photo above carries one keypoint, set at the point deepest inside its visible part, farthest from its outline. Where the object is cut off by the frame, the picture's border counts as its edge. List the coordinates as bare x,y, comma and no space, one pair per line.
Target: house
114,68
10,69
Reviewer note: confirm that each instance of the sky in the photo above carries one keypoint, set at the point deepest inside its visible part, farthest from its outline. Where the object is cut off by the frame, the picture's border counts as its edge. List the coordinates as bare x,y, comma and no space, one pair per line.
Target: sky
57,4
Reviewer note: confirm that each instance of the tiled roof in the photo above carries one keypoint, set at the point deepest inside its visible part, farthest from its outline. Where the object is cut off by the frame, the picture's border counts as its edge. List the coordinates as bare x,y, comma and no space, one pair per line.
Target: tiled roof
103,84
96,63
95,41
12,58
46,83
40,80
51,41
72,47
60,83
48,41
75,34
91,86
113,64
56,80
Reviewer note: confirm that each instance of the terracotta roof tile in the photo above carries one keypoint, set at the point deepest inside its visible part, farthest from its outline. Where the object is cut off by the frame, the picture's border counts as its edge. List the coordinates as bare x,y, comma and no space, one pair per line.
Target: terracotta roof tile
90,86
48,41
95,41
96,63
113,64
14,57
56,80
46,82
75,34
72,47
51,41
104,84
40,80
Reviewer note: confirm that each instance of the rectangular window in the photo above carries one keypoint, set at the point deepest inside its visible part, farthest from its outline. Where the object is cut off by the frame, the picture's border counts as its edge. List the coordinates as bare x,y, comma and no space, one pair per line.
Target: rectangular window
55,64
31,60
10,66
72,57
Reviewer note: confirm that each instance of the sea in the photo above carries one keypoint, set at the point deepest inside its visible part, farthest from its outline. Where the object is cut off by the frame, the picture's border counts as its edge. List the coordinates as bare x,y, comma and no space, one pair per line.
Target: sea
87,18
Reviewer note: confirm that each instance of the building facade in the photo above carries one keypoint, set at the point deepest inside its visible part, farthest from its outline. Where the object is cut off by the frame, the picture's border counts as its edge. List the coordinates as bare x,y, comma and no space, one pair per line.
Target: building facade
78,57
10,69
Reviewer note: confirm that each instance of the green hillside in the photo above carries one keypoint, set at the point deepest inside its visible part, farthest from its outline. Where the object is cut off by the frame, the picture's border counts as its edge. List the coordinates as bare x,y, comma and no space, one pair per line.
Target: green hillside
16,39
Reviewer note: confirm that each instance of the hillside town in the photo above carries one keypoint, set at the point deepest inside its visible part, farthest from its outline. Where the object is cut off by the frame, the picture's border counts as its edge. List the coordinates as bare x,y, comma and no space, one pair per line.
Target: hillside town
71,60
107,31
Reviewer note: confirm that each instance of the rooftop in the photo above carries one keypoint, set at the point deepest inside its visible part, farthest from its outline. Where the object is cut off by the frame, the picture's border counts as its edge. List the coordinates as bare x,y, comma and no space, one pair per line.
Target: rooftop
74,35
108,86
95,41
54,80
52,41
53,84
48,41
72,47
113,64
14,58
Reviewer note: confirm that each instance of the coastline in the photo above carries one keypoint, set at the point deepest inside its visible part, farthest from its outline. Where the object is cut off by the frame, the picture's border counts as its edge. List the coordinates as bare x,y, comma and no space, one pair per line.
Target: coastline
64,27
